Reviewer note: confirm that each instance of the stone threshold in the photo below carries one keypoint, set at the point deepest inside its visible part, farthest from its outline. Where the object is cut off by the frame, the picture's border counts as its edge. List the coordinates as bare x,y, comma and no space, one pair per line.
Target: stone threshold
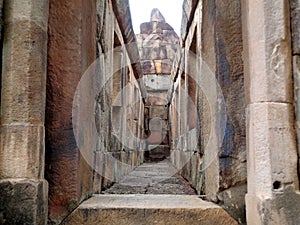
139,209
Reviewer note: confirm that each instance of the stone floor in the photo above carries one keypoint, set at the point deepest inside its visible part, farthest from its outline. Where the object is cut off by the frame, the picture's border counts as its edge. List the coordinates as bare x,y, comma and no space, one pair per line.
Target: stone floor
152,194
152,178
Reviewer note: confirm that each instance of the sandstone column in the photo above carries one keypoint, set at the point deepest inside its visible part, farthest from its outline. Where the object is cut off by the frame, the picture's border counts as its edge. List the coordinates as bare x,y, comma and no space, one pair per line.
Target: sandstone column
23,198
71,50
271,144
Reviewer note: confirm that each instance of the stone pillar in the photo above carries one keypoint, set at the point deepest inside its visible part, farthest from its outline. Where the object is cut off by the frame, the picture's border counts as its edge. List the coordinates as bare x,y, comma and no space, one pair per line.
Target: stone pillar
271,144
24,191
71,50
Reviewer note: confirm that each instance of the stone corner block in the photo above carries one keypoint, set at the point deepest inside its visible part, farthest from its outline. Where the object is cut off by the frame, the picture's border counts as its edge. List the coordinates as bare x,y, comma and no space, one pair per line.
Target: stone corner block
23,201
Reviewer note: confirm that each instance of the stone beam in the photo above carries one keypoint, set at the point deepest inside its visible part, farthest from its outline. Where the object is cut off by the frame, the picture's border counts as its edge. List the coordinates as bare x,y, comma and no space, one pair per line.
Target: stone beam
132,54
23,198
123,16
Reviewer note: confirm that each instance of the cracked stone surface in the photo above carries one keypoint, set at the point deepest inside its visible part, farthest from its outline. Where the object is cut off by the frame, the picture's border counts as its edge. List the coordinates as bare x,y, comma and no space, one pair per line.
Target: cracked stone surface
152,178
148,209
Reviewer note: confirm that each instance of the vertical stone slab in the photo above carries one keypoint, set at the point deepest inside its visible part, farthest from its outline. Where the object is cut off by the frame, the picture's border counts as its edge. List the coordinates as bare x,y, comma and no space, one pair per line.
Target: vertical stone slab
269,51
22,185
295,23
271,144
296,76
229,74
72,49
272,165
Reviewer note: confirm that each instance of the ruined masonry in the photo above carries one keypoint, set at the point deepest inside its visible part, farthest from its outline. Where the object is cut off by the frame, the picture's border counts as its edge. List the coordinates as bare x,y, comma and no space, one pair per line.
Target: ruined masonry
100,125
157,44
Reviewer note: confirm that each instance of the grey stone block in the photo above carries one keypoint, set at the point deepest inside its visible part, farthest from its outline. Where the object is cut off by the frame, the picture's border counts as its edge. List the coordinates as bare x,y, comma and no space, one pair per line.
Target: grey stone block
23,202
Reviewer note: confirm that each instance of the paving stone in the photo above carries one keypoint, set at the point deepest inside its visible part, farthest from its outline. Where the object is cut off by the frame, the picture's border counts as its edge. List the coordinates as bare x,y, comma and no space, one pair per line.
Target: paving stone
152,178
23,201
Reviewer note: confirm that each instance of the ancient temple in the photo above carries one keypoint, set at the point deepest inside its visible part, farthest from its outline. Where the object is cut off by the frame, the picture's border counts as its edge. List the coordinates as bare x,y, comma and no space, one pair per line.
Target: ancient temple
100,125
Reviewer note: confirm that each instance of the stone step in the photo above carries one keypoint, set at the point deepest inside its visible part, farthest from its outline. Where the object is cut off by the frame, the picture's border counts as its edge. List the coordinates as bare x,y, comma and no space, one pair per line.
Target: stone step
148,210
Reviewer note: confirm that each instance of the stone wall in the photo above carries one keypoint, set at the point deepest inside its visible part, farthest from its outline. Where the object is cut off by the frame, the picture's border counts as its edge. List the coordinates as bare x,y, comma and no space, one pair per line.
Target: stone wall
207,104
63,108
94,102
120,105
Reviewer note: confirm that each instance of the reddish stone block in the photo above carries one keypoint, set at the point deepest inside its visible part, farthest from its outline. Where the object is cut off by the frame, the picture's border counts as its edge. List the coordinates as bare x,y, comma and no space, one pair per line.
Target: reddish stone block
148,67
71,50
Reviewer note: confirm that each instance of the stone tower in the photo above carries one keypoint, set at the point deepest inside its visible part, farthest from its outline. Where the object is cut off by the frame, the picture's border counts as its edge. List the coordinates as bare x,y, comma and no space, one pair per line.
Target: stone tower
157,43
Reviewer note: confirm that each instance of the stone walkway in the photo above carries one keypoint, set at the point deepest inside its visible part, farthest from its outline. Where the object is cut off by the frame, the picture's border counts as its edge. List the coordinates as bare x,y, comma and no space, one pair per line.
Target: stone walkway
152,178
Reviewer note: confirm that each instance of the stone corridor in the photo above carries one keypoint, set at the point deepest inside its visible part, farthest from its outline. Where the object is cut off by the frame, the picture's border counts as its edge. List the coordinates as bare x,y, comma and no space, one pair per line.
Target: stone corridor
152,178
103,126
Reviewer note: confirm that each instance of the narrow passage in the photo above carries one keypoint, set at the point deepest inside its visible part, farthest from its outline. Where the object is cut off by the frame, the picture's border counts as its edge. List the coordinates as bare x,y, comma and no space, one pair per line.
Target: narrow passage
152,178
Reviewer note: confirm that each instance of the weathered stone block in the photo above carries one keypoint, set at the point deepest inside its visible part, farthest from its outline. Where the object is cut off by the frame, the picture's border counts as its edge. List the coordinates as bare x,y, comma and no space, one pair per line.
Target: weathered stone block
233,201
282,208
158,66
157,82
30,10
154,53
22,151
271,148
24,80
149,209
269,51
148,67
166,66
23,201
